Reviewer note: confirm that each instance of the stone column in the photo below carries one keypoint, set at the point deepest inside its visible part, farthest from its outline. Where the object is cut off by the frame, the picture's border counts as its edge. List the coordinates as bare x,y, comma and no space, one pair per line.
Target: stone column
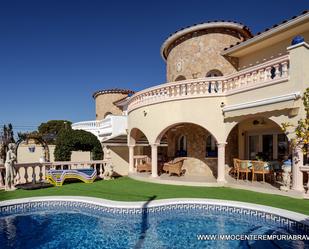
221,163
297,175
131,158
154,160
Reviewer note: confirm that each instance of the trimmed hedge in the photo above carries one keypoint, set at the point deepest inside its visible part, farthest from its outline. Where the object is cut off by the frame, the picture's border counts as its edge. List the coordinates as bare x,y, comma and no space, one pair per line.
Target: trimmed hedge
69,140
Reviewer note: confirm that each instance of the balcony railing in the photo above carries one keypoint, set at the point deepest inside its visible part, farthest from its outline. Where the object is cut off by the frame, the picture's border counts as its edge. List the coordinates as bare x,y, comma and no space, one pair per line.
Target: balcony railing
270,72
111,126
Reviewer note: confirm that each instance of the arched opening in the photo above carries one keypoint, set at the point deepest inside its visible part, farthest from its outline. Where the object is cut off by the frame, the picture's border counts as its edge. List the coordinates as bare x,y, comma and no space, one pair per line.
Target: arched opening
180,77
77,140
258,139
214,73
213,86
106,114
187,142
31,140
141,151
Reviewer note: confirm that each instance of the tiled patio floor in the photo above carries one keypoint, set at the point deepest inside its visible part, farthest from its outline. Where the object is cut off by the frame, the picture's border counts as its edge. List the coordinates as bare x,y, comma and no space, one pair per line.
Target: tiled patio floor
203,181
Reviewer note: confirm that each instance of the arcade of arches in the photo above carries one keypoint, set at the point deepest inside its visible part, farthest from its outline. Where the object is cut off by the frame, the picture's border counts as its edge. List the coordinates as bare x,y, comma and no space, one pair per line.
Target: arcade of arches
252,138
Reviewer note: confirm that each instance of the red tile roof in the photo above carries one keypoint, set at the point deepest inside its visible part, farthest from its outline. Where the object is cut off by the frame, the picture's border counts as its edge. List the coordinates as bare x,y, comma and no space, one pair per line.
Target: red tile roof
113,90
274,26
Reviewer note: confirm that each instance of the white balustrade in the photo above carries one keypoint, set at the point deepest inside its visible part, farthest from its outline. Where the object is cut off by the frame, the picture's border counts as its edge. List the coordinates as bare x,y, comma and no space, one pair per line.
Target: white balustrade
112,125
273,71
140,159
35,172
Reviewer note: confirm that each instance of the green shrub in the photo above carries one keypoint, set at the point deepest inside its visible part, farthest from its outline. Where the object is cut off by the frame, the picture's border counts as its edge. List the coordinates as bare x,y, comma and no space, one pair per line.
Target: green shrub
69,140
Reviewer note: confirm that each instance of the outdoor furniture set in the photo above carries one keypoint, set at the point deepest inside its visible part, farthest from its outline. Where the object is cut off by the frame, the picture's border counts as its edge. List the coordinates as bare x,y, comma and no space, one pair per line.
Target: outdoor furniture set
252,167
173,167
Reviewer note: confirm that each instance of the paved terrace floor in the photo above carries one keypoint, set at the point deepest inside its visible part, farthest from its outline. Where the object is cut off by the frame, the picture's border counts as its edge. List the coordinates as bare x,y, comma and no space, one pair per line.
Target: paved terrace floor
209,181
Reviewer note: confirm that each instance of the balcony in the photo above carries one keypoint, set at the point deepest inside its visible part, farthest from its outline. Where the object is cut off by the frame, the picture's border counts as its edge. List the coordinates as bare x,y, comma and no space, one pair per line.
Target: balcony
264,74
111,126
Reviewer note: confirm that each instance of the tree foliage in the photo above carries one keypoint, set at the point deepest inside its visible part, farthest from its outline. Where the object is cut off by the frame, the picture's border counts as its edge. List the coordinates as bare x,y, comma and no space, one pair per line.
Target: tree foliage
69,140
51,128
6,137
301,130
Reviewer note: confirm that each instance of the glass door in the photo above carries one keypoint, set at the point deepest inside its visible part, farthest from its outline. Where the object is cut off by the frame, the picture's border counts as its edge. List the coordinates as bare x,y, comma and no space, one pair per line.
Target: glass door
253,146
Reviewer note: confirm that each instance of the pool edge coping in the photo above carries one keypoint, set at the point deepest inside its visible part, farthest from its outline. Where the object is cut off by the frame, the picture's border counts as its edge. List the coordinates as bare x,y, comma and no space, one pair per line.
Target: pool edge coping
302,218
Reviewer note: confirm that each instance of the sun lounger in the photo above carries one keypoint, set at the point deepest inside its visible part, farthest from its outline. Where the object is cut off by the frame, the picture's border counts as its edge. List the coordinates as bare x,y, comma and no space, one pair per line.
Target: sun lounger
57,177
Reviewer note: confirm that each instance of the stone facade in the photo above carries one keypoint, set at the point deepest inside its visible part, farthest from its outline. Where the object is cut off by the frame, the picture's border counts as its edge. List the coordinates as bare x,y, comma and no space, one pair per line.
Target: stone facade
231,148
195,57
104,104
196,162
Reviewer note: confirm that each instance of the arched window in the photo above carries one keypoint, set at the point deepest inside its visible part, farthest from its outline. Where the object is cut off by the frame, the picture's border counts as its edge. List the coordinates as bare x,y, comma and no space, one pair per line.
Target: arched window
213,86
211,147
180,77
181,146
106,114
214,73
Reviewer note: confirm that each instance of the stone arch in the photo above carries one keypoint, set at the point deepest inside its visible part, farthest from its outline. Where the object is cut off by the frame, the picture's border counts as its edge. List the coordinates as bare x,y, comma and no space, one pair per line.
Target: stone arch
195,161
274,120
256,136
180,77
137,135
163,131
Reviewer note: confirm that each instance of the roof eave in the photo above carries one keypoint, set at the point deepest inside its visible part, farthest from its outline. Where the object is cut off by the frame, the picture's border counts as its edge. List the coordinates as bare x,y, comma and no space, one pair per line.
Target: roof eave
265,35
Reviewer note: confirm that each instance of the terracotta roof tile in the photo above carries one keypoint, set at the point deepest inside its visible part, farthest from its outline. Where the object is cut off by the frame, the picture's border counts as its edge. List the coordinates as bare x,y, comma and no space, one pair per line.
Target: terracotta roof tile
274,26
113,90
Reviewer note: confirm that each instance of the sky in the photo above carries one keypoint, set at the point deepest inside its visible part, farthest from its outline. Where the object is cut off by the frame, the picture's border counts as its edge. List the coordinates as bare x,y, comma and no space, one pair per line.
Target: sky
54,54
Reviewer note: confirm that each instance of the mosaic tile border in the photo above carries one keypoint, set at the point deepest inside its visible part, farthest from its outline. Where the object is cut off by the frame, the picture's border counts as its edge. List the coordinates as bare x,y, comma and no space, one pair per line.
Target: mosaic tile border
99,209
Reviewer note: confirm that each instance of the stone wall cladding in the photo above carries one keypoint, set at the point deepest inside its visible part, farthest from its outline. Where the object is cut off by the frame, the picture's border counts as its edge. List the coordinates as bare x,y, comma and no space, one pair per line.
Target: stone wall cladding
104,103
231,148
196,162
194,57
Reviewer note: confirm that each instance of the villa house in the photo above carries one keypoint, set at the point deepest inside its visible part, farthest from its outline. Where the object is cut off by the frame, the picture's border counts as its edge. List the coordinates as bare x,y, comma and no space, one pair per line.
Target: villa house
227,94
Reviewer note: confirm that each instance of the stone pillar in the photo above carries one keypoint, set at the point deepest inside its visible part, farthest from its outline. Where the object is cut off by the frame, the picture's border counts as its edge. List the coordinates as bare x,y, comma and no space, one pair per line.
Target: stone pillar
221,163
154,160
297,175
131,158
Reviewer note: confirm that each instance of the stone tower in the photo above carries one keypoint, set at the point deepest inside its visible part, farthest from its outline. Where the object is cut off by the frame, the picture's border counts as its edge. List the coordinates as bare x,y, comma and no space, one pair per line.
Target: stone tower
195,52
105,101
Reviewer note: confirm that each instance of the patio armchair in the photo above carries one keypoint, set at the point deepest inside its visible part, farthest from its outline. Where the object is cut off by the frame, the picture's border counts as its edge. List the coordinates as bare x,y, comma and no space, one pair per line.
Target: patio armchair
233,170
261,168
143,167
243,167
174,166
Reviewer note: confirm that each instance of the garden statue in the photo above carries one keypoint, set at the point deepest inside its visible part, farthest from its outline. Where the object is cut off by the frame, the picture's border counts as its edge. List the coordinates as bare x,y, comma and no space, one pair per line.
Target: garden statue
9,167
108,168
286,176
107,153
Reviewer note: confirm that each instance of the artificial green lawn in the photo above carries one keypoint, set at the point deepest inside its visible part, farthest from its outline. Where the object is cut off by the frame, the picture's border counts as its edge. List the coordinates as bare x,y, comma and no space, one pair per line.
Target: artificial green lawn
126,189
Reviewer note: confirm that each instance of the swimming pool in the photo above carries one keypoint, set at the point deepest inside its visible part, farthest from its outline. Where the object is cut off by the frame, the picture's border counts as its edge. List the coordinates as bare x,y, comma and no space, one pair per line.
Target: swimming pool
65,223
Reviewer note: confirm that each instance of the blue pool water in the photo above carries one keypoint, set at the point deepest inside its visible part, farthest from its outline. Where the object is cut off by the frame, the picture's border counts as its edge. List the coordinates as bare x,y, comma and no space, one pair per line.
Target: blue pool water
173,229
